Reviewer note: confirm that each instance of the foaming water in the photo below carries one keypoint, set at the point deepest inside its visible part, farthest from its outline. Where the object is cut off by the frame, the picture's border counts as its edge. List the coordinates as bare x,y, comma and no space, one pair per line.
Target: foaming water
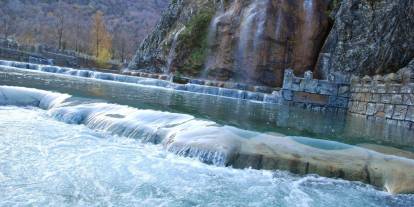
44,162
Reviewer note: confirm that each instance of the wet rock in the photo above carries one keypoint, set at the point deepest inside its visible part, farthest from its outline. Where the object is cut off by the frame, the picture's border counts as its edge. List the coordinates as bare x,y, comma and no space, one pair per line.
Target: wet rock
250,41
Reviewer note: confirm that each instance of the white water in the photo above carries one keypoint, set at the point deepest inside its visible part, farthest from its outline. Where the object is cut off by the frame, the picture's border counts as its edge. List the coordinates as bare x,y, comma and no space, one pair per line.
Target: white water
252,28
173,52
44,162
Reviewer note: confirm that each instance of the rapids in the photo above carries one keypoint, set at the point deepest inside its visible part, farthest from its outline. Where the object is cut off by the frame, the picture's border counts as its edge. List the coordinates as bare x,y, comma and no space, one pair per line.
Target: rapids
222,145
45,162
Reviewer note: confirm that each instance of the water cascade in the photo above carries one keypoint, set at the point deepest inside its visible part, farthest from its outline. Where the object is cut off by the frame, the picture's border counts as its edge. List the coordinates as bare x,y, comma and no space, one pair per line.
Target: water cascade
223,145
252,31
172,53
256,40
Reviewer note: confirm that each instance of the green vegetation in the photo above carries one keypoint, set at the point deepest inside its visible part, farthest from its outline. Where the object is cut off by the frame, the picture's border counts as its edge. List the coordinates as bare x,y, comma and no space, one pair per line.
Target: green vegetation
194,42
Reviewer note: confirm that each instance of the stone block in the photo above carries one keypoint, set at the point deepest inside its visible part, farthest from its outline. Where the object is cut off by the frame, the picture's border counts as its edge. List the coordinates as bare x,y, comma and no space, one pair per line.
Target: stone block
381,88
408,99
396,99
386,98
371,109
350,105
288,79
367,97
362,108
304,97
361,97
308,75
393,88
327,88
379,107
403,123
356,88
375,98
296,87
353,96
407,89
311,86
287,95
380,115
366,89
344,91
342,102
335,101
389,111
410,114
399,112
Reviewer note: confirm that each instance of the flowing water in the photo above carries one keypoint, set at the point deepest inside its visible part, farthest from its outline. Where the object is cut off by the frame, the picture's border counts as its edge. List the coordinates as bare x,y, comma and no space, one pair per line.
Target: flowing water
77,151
172,53
44,162
252,28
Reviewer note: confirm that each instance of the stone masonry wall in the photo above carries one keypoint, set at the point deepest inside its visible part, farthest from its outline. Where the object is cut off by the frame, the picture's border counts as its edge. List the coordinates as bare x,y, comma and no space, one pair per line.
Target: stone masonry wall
315,94
389,97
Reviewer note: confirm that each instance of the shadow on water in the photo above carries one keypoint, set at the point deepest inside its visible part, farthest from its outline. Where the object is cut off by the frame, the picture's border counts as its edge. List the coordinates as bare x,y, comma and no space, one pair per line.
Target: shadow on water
268,118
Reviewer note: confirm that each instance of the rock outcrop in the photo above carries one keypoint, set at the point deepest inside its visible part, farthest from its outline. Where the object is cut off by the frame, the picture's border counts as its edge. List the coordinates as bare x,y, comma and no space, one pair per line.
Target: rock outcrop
250,41
369,37
254,41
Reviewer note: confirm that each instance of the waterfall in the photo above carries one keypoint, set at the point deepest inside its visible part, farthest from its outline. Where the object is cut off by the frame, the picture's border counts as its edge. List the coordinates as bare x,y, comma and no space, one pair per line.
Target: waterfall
252,29
172,53
211,38
308,27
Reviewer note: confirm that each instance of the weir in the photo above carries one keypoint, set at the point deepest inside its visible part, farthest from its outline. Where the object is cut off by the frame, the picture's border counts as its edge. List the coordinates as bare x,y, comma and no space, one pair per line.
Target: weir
225,108
223,145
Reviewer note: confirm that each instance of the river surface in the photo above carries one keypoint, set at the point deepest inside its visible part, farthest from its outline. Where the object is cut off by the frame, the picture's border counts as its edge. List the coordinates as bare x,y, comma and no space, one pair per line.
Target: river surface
45,162
50,159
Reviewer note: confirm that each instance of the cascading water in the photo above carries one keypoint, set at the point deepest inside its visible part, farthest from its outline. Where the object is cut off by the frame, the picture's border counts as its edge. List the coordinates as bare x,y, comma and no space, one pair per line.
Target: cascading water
44,162
252,29
308,7
172,53
255,41
219,144
212,38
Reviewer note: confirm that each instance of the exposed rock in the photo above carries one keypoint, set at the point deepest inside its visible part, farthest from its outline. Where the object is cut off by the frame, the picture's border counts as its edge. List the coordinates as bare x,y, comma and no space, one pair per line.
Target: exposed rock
369,37
251,41
153,53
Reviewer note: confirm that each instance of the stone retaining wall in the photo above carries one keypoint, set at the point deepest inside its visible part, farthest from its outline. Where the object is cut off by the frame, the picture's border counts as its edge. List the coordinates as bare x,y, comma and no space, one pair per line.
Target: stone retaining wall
389,97
315,94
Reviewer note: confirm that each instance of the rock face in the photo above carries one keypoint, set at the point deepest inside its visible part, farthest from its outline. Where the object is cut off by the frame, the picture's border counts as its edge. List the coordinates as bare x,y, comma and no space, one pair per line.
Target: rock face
369,37
158,52
250,41
254,41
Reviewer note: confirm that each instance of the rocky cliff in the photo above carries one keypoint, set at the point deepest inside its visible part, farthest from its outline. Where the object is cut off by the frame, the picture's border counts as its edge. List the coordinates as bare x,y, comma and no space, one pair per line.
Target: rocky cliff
254,41
369,37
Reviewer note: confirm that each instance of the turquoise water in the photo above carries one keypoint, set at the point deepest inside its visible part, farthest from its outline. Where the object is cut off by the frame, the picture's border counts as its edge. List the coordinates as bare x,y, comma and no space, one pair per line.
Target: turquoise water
69,156
45,162
243,114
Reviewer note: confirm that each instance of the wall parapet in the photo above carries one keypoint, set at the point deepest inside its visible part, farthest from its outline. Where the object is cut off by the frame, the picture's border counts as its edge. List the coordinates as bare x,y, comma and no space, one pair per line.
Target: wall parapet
313,93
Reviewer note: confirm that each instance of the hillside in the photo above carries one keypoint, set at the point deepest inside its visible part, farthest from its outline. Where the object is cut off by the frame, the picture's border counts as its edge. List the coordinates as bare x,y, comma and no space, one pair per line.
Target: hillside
48,21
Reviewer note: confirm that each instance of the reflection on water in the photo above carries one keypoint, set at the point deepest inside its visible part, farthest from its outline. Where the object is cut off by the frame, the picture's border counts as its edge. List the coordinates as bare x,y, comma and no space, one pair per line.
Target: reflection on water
243,114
